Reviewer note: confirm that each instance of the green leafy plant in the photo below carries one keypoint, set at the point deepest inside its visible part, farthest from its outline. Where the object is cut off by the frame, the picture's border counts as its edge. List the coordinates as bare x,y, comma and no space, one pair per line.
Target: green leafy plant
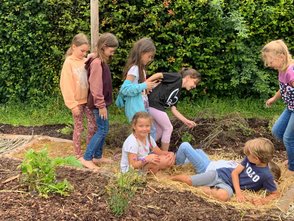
187,137
122,188
39,175
66,130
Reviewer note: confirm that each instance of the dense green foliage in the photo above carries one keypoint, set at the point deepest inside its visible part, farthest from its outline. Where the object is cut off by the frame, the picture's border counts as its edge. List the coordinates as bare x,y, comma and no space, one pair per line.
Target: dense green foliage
220,38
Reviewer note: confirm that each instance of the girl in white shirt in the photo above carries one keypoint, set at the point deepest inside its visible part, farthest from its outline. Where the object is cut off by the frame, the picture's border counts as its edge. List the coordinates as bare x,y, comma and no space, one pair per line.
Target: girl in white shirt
140,150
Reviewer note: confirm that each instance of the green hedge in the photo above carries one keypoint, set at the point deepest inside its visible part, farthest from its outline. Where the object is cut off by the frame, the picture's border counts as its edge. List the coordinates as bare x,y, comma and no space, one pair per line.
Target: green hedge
222,39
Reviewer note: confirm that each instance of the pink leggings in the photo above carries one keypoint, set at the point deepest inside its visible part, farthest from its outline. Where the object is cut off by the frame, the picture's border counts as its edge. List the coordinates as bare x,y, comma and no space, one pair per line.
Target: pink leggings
78,128
164,128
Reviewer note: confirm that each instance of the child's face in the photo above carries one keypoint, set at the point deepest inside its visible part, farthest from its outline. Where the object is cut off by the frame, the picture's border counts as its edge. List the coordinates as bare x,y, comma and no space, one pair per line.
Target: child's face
191,83
275,61
142,127
109,51
147,57
80,51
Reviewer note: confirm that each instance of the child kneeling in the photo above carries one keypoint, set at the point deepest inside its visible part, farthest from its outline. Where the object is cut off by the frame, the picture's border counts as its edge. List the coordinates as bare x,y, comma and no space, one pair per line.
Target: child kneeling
140,150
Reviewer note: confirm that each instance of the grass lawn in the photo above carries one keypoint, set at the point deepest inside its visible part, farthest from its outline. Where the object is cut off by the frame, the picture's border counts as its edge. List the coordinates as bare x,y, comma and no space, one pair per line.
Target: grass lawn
55,112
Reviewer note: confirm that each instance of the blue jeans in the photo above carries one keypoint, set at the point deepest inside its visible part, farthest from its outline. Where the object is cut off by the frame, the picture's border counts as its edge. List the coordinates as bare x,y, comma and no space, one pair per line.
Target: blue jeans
283,130
95,147
197,157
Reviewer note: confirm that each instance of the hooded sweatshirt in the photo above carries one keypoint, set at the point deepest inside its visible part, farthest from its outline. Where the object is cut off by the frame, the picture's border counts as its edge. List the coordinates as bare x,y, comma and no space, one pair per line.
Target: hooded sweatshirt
73,82
100,83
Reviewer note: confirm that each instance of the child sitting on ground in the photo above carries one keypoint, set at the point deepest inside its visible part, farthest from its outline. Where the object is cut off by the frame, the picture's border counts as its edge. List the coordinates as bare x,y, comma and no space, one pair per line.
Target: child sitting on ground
140,150
253,173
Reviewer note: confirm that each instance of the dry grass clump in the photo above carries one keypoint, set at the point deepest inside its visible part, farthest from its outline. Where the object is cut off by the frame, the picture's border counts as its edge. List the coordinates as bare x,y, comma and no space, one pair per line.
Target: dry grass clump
229,127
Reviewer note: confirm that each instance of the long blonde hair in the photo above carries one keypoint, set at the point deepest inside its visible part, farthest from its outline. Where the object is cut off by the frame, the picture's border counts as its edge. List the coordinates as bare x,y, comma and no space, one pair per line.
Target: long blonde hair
105,40
78,40
276,48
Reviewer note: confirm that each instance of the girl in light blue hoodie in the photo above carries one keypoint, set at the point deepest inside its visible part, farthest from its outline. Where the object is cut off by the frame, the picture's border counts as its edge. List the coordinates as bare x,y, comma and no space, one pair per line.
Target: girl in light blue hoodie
133,92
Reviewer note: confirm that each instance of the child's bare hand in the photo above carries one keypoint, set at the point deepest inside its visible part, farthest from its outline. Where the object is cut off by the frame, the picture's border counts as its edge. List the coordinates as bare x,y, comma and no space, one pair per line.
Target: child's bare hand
170,158
270,101
153,158
103,113
190,123
150,85
257,201
240,197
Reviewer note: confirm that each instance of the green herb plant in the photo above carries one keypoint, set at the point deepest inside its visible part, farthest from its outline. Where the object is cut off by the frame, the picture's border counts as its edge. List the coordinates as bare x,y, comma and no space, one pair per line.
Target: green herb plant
39,173
122,188
187,137
66,130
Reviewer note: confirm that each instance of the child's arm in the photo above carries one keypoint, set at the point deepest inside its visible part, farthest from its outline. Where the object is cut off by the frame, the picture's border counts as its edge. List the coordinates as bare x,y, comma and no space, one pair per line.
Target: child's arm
236,182
169,157
155,77
149,84
158,151
273,99
181,117
67,86
129,89
135,162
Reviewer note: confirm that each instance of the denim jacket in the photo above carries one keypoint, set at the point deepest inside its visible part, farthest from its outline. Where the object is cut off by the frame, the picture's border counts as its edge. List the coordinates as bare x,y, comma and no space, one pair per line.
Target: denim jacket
130,97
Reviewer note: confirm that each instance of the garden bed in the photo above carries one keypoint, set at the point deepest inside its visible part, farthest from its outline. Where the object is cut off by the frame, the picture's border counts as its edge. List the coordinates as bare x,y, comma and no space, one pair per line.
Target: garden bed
158,200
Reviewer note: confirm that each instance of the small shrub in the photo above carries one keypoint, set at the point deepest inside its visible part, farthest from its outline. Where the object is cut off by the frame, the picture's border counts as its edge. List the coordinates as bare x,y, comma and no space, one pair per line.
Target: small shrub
187,137
67,130
122,188
38,173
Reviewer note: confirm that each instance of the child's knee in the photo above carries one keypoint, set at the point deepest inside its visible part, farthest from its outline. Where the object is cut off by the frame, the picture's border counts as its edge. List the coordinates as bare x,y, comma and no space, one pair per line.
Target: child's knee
222,195
185,145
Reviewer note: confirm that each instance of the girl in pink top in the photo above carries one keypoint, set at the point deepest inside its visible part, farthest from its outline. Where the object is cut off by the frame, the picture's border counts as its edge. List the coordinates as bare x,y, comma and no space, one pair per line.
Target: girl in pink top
74,88
276,55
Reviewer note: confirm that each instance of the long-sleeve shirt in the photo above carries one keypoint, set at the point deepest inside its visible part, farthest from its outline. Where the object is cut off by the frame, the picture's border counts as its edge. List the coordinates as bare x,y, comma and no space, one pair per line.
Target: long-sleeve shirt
100,83
73,82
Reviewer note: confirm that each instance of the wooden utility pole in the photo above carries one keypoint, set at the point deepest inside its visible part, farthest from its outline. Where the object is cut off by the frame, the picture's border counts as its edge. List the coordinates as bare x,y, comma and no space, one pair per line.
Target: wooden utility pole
94,7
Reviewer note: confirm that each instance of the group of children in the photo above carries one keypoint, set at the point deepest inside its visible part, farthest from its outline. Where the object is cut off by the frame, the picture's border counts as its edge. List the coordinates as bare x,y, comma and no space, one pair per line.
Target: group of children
86,87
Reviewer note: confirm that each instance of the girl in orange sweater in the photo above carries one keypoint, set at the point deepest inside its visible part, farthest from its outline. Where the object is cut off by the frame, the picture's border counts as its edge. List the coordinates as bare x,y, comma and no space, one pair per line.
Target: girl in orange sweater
74,87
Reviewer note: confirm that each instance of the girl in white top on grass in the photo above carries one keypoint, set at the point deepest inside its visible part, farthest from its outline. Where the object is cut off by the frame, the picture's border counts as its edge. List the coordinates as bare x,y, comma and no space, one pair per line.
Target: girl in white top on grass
140,150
